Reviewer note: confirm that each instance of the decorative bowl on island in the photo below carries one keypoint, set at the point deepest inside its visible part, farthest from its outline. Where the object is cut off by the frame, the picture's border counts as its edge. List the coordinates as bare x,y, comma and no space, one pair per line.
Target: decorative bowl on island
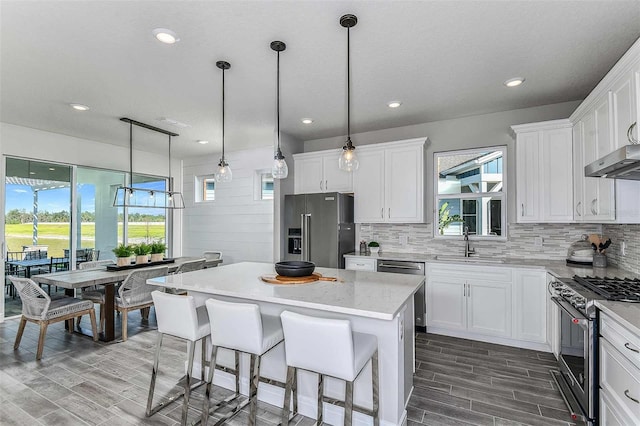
295,268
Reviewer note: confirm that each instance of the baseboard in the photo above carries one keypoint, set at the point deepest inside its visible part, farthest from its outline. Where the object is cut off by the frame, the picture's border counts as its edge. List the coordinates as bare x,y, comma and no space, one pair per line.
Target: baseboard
543,347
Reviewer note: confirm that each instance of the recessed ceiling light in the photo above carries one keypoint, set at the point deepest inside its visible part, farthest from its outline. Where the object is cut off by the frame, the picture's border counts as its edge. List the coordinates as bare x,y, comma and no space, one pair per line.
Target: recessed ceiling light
52,168
394,104
201,142
79,107
513,82
165,35
307,121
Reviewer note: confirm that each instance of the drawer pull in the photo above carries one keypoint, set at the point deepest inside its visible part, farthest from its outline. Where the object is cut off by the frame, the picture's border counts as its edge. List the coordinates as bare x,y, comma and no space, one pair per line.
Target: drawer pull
626,345
626,393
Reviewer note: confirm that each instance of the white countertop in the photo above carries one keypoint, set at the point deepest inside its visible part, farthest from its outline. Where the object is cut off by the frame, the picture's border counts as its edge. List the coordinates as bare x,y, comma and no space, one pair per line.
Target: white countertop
360,293
627,314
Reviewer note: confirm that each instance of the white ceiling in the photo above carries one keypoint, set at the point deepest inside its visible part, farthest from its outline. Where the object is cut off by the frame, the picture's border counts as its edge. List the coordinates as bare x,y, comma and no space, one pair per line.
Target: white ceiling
442,59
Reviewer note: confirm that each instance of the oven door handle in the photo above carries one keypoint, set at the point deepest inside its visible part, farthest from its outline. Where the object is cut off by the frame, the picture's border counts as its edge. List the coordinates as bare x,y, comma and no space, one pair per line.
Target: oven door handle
576,316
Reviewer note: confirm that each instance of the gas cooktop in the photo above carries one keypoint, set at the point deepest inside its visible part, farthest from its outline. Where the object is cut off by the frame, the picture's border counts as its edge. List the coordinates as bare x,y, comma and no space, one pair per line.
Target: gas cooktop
616,289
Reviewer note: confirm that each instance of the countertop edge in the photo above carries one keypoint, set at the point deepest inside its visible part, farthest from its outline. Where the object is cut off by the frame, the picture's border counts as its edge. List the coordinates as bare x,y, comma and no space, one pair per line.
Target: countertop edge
613,309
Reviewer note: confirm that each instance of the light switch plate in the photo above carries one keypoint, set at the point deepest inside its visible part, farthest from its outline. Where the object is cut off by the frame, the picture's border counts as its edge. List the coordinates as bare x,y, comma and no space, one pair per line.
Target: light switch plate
404,240
537,241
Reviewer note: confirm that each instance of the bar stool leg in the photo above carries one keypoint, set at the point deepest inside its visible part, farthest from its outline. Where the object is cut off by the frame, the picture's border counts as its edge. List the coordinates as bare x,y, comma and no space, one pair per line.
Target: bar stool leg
187,388
295,391
154,373
320,397
291,374
348,404
203,345
207,392
254,374
375,378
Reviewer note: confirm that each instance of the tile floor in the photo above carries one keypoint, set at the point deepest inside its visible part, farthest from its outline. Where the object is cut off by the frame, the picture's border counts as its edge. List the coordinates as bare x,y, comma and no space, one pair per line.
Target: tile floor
78,382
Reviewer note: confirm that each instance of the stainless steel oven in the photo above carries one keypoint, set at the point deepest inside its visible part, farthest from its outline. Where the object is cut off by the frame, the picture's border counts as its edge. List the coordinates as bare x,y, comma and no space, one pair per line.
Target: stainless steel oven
576,361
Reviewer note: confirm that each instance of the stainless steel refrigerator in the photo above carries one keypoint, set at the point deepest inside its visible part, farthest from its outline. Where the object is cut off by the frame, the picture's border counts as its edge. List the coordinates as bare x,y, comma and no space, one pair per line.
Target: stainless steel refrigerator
319,228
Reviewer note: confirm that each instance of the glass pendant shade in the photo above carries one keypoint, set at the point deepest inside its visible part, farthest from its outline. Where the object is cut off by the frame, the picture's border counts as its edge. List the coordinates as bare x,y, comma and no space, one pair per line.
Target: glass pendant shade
223,174
348,160
279,170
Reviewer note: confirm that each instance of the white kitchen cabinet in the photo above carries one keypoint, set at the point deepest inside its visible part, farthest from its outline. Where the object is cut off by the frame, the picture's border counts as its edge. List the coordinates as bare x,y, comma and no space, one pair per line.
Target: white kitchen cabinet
319,172
474,300
495,304
544,189
360,264
619,372
389,185
489,307
600,127
530,305
446,302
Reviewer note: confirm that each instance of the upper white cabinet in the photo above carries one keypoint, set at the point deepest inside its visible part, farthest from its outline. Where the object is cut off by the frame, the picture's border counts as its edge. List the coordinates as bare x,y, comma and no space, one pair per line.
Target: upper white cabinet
389,185
601,124
544,189
319,172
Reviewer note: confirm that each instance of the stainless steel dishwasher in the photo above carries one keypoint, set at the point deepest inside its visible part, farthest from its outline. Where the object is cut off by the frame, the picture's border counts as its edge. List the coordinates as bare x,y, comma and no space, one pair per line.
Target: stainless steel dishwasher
410,268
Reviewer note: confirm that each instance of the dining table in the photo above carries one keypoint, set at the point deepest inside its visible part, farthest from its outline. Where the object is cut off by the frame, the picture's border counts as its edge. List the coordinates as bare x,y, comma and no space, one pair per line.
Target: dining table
27,264
109,278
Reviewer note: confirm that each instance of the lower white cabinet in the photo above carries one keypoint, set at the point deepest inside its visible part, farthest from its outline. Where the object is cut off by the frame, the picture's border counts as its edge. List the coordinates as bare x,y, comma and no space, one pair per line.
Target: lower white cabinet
530,305
360,264
508,304
619,374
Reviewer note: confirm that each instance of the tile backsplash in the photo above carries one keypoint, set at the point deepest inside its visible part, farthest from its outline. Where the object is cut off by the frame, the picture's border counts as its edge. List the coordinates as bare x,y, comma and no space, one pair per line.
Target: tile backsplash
630,234
521,242
556,239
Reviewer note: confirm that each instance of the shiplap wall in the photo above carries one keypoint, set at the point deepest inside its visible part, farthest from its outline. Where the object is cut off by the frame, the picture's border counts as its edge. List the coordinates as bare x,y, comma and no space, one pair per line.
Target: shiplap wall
236,223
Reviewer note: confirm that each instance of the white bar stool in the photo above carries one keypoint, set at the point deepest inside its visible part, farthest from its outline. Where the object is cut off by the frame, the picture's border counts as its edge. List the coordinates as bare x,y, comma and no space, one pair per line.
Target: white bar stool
328,347
178,316
242,328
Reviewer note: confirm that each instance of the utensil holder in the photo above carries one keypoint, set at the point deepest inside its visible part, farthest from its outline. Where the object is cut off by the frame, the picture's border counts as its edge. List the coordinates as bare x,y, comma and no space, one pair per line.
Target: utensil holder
599,260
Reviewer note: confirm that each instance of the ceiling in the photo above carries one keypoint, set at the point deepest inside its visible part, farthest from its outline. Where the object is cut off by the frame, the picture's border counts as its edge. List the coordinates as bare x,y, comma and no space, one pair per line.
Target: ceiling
442,59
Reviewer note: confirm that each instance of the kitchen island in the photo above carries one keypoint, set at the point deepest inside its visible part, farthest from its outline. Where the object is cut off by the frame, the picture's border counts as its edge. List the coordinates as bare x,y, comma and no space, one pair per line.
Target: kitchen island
375,303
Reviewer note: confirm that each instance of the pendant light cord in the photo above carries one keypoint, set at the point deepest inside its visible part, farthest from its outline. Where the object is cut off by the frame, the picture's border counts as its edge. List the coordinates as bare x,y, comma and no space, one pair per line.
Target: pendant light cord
348,88
278,101
131,154
223,115
170,181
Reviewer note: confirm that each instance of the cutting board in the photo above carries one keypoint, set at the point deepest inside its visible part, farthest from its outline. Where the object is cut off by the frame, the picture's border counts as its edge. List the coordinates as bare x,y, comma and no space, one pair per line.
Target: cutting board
281,279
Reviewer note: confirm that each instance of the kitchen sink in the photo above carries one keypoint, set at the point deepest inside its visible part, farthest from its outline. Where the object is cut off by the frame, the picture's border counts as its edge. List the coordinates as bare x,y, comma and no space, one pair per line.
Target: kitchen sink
473,259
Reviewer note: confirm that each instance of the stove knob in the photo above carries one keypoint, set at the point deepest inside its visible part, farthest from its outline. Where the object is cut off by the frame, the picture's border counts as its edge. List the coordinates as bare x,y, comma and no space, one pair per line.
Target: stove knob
566,293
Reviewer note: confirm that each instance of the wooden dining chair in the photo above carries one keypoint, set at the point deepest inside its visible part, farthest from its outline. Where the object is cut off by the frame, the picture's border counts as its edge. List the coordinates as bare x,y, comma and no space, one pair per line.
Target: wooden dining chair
39,308
135,293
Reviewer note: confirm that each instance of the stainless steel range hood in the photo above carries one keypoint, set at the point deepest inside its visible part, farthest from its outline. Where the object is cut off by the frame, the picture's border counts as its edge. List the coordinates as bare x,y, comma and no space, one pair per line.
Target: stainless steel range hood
623,163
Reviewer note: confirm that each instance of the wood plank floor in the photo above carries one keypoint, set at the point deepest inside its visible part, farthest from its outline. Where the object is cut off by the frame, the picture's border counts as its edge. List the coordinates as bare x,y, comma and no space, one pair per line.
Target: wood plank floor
79,382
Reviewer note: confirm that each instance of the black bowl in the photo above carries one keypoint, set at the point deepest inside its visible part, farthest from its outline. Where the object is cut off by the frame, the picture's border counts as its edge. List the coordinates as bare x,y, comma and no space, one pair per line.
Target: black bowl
295,268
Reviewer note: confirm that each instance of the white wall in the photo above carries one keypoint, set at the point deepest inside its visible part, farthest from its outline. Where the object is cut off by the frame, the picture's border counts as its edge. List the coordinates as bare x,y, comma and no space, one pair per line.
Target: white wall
460,133
235,223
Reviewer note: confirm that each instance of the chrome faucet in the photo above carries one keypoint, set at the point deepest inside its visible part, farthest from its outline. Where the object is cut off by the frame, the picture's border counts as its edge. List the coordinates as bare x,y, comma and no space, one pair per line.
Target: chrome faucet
468,251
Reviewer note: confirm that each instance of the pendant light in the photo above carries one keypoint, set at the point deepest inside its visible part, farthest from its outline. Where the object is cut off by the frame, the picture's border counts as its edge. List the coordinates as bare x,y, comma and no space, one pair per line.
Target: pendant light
348,160
224,171
128,196
279,170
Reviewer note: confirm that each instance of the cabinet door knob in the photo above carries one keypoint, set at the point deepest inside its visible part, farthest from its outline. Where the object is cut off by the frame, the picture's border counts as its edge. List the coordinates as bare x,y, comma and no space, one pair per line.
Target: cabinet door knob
630,137
626,345
626,393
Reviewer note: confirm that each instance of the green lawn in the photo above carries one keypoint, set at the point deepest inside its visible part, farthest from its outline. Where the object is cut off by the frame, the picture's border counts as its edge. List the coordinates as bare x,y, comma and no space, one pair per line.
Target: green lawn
57,235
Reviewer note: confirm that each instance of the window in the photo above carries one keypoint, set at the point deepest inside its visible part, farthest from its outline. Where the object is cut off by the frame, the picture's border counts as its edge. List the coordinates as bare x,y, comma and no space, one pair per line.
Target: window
205,188
470,192
266,186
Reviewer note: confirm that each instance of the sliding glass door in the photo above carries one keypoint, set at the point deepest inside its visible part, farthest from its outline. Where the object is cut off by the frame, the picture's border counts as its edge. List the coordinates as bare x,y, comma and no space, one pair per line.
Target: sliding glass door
37,220
40,211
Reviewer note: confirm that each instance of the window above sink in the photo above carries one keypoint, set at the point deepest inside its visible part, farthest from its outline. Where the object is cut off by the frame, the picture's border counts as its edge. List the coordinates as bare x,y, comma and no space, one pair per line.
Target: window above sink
470,190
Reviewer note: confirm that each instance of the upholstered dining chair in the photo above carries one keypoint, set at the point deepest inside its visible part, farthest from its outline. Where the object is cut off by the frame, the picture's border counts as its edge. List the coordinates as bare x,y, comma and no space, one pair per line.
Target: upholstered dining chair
191,265
95,293
135,293
37,307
